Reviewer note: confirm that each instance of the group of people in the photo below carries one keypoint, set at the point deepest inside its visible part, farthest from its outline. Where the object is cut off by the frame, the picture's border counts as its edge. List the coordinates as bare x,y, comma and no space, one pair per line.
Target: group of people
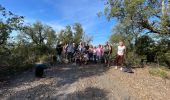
84,53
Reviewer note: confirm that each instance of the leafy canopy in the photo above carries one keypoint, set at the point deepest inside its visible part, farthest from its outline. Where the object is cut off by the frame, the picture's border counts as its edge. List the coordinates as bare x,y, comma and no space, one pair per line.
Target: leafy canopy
152,16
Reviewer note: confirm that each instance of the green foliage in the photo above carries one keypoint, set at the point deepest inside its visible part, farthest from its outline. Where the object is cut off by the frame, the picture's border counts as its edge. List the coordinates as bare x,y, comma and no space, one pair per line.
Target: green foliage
137,13
78,32
35,42
133,59
74,34
45,58
8,23
144,45
130,57
38,34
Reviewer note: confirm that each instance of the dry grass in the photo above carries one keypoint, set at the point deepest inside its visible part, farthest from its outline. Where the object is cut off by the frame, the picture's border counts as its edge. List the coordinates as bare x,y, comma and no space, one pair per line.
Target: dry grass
159,72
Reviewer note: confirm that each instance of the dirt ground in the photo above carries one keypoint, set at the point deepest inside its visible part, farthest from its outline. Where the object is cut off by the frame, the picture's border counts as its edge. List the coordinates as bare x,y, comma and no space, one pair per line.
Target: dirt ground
91,82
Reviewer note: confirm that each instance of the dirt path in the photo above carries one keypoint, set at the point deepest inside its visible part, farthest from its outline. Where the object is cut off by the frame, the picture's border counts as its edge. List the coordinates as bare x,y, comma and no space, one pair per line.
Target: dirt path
92,82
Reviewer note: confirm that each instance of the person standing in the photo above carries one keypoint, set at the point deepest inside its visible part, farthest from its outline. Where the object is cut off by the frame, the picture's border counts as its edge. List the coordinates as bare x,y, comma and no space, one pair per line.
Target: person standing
59,50
99,53
106,53
74,48
94,54
120,55
70,50
90,53
65,51
81,50
87,46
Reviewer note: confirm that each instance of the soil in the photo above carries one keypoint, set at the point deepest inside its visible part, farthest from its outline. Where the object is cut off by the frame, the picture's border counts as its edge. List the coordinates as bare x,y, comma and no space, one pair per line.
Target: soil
87,82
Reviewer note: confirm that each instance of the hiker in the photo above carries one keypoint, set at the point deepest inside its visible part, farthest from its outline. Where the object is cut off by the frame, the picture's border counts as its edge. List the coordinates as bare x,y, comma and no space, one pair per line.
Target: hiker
110,54
94,54
102,57
99,52
90,53
70,51
81,47
85,57
86,46
59,52
65,51
120,55
81,50
74,48
77,57
106,55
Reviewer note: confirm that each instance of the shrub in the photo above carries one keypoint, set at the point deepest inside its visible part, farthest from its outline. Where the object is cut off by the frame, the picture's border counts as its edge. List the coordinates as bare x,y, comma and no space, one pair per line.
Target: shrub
45,58
133,59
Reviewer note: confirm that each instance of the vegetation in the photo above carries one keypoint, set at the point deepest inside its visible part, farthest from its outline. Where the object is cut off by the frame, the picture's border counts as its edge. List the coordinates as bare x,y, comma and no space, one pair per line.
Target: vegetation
143,25
159,73
35,42
74,34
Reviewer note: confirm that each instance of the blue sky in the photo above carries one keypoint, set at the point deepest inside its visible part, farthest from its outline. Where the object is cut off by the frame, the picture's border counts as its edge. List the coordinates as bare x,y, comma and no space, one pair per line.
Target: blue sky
59,13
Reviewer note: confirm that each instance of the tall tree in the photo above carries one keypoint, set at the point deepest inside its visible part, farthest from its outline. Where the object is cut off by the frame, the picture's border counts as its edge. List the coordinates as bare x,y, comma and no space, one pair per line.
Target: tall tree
74,34
143,14
66,35
8,23
39,34
78,32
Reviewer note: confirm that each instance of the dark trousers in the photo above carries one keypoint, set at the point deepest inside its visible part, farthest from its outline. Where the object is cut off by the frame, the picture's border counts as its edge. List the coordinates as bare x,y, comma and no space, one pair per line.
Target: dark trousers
94,58
70,56
90,56
119,60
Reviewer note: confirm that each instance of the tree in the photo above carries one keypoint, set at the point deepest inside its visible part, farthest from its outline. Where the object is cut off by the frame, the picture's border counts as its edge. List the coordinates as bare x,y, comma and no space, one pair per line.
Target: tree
74,34
69,34
86,38
39,34
125,33
144,45
65,35
78,32
8,23
51,37
143,14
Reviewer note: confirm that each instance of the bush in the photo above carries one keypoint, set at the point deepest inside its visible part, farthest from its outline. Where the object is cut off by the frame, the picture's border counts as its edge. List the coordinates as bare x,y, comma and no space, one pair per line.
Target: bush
11,70
45,58
164,58
133,59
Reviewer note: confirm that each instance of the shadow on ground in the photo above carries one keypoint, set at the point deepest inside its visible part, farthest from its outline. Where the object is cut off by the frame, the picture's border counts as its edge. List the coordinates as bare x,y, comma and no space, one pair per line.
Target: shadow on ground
44,92
67,74
70,73
89,93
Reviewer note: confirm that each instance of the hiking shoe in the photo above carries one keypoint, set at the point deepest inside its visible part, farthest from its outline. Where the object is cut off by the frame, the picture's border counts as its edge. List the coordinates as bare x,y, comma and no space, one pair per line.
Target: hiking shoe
121,68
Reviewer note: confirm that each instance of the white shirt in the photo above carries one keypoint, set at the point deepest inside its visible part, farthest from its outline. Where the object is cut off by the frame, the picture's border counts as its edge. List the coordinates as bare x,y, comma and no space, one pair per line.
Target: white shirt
121,50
